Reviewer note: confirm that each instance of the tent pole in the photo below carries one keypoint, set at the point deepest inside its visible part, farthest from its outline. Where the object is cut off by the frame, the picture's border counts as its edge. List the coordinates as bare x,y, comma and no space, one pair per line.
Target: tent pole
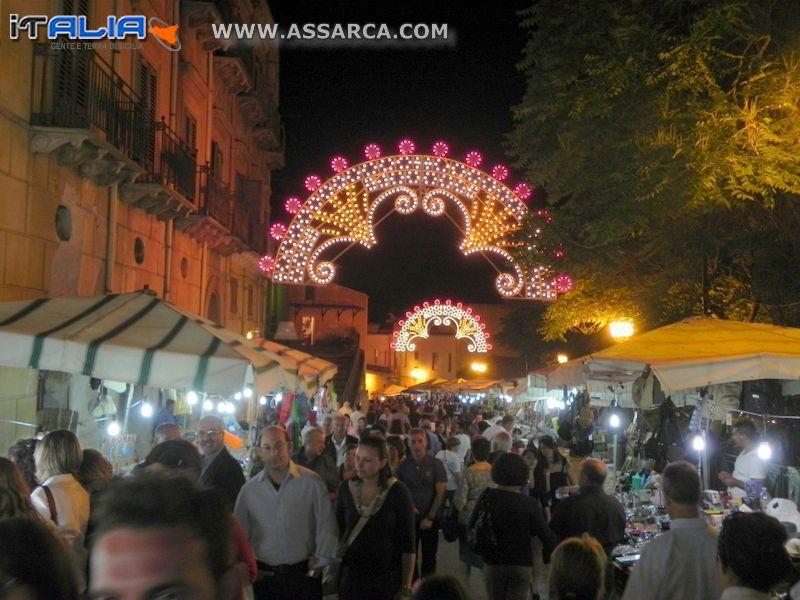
128,399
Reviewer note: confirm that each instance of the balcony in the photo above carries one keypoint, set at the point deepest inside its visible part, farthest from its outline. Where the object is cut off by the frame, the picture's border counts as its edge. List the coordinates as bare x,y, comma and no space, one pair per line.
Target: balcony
88,117
169,189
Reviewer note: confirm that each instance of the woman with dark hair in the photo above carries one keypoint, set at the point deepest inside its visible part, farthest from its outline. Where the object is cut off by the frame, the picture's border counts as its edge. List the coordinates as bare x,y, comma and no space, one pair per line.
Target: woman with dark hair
21,454
397,451
14,493
476,478
33,564
348,468
61,498
751,556
375,514
553,471
513,519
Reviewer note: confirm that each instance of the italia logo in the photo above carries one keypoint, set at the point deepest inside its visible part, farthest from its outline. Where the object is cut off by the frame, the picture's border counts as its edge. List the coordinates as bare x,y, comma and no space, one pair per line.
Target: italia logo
76,27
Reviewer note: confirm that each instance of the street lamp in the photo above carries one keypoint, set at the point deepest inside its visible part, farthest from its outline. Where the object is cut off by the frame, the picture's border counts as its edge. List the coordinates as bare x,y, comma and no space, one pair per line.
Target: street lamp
479,367
620,330
562,358
417,374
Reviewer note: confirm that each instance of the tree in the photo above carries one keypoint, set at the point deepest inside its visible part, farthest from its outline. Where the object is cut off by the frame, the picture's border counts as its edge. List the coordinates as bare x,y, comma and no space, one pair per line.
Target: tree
665,135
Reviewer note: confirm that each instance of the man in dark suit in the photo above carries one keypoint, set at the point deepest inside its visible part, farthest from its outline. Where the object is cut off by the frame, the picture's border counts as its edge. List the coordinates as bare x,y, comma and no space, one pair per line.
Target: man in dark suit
336,443
220,469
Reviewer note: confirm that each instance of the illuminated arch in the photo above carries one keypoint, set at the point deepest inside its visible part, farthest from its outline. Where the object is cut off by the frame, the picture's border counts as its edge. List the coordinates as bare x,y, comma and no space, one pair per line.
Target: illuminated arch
342,211
417,323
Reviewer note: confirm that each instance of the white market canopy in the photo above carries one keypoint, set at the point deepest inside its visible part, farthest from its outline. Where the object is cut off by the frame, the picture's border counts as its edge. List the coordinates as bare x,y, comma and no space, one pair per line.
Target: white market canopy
138,338
693,353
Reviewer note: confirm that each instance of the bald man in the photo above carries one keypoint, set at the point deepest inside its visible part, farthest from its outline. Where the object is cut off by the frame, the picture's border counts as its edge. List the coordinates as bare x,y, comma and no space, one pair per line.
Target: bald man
220,469
592,511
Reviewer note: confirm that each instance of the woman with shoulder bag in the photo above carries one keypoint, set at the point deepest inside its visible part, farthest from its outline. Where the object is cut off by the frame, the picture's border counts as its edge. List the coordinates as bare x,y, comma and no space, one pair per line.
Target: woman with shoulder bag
376,515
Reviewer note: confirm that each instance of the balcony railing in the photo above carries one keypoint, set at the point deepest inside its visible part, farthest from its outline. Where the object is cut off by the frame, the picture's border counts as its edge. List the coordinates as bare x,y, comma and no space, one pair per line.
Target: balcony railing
79,90
175,163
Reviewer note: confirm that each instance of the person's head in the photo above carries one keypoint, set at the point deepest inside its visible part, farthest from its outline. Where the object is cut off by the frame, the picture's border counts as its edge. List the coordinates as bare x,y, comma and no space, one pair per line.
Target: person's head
425,423
501,442
530,457
372,460
210,434
95,469
459,426
577,569
327,425
397,449
481,447
507,422
170,405
38,567
440,587
162,534
751,552
14,492
548,451
21,454
175,457
313,441
592,472
681,484
339,426
745,433
453,444
167,431
483,426
361,424
350,456
275,448
509,470
59,453
419,442
516,433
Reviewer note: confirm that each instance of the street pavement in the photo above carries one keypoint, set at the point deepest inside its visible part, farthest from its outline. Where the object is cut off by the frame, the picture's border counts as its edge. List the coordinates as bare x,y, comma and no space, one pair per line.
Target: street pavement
447,563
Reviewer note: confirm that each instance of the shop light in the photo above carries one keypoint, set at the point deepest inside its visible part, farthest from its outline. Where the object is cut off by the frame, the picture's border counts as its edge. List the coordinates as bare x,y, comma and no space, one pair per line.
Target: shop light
764,451
191,398
146,410
113,429
698,443
614,421
208,405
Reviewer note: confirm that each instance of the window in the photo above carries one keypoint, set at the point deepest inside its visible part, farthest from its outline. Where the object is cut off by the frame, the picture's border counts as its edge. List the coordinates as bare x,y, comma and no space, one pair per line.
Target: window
434,361
311,293
450,362
416,359
375,356
189,133
405,361
234,297
138,250
249,300
147,93
217,160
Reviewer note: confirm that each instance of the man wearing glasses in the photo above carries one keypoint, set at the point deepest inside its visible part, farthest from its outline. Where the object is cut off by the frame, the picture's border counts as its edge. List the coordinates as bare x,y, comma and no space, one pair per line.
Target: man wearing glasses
220,469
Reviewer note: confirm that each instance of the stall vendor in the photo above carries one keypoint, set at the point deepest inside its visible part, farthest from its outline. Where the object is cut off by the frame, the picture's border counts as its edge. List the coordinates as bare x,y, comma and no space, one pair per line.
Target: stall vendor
748,465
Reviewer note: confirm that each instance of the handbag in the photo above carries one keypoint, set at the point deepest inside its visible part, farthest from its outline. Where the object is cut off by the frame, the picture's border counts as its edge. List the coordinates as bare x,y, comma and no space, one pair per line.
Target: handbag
482,537
449,525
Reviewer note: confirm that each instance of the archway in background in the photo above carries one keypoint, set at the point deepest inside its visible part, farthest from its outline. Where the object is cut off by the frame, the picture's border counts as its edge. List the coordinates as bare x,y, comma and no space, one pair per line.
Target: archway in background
416,325
344,211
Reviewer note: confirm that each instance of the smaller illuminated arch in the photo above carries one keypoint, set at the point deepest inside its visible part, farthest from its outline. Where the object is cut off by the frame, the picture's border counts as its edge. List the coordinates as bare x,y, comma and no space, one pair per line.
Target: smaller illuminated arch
417,323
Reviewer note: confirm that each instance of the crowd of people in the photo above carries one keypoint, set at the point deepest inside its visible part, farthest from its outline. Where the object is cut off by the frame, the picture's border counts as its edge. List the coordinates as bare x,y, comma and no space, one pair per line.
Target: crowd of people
357,511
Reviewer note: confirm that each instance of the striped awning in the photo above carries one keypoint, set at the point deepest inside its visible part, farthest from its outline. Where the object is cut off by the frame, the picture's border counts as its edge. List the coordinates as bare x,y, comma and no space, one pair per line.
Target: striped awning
138,338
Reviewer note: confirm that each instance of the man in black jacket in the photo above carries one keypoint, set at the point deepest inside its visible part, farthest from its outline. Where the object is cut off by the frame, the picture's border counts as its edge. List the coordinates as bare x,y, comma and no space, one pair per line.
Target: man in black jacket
336,443
220,469
592,511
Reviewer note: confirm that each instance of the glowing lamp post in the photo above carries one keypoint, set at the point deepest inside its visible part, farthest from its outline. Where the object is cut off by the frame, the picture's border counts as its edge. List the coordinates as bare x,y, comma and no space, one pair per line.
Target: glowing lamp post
478,367
418,374
620,330
562,358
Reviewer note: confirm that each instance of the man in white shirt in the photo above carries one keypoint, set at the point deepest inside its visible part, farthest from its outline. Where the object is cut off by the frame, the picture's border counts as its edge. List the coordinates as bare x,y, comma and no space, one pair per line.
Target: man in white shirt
452,464
680,563
506,424
748,465
458,431
286,514
336,443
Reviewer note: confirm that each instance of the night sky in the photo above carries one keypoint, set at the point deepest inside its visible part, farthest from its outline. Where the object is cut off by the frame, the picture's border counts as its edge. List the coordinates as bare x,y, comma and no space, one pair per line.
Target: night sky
335,101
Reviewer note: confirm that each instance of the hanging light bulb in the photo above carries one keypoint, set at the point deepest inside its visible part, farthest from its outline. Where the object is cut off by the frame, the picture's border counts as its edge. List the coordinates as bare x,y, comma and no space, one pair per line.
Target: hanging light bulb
146,410
698,443
208,405
191,398
248,393
262,401
764,451
113,429
614,421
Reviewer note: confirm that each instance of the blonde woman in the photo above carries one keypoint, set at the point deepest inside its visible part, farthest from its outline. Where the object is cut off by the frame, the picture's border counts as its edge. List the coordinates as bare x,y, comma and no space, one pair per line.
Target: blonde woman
61,498
578,568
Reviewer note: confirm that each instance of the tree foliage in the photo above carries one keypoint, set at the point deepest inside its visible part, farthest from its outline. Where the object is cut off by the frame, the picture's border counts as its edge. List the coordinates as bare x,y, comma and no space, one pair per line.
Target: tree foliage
667,137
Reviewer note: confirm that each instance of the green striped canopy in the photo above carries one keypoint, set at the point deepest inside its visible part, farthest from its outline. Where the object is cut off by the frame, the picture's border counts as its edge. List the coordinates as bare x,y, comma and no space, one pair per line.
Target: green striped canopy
138,338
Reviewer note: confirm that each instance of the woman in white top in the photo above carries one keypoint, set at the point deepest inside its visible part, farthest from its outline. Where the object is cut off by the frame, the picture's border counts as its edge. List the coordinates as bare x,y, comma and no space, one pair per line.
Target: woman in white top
61,498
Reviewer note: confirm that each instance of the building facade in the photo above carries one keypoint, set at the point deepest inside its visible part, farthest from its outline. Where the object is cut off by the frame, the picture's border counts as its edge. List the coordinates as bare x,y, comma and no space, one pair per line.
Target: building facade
129,166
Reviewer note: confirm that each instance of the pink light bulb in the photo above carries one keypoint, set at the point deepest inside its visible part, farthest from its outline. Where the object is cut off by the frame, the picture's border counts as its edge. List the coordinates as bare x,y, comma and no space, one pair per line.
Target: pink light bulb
406,146
313,183
563,283
292,205
523,191
266,264
372,151
277,231
440,149
339,164
500,172
473,159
